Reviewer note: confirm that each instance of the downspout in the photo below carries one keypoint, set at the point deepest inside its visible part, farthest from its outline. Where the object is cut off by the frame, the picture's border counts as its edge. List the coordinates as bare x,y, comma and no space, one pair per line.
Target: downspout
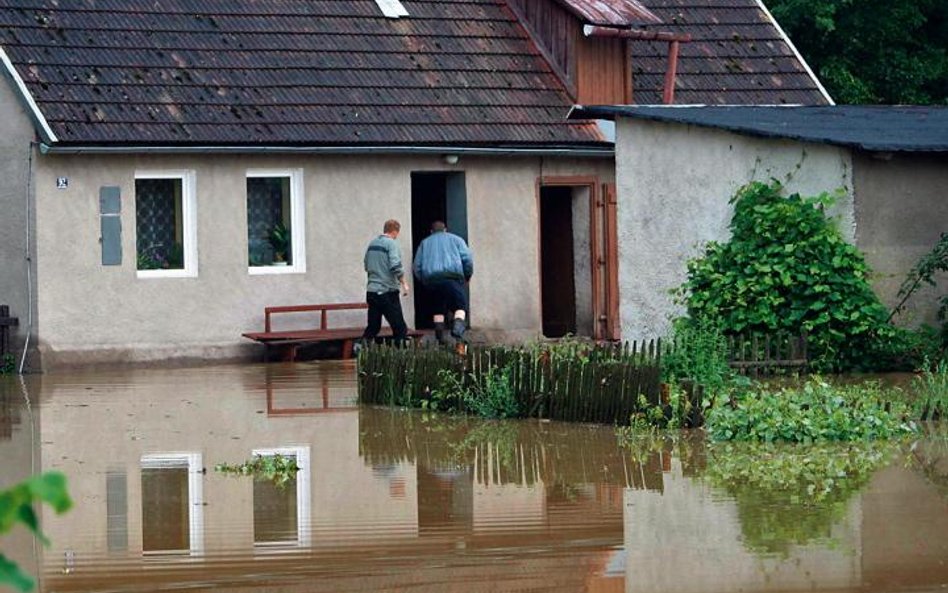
674,40
29,259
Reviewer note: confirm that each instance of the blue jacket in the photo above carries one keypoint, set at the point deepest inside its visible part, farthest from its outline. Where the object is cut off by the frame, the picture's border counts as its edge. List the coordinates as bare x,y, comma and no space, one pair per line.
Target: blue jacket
443,256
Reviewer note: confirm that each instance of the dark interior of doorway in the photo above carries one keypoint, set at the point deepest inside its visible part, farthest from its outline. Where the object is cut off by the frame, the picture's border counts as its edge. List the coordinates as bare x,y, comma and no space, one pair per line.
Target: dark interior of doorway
428,204
558,287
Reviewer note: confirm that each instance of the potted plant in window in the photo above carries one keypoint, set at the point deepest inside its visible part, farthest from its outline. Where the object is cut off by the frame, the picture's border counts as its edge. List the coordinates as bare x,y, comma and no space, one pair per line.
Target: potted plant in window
280,241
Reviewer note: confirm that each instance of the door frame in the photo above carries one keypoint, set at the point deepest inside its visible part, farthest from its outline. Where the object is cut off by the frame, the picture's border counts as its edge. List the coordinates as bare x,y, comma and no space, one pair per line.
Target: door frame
596,207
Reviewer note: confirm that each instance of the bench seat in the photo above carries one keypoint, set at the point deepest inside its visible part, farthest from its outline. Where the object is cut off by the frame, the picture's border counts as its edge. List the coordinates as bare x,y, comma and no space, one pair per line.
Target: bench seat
287,341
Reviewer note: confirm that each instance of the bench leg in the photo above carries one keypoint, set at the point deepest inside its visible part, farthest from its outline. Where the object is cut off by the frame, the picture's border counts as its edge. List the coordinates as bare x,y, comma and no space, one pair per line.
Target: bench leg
346,349
289,353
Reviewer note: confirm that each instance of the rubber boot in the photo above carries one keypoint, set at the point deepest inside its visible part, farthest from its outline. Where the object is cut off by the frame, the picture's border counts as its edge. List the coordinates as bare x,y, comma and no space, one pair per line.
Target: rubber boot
458,328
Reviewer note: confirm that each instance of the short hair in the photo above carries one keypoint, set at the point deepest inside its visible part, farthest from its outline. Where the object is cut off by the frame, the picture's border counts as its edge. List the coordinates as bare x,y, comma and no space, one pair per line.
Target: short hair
391,225
438,226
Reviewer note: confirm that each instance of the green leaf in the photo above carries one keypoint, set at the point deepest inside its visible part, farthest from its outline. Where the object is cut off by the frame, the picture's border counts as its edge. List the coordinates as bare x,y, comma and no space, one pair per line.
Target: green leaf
10,574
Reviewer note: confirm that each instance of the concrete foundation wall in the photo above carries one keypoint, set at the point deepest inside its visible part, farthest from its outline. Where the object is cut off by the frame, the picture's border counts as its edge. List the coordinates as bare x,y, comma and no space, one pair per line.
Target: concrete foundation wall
15,146
901,210
674,183
95,313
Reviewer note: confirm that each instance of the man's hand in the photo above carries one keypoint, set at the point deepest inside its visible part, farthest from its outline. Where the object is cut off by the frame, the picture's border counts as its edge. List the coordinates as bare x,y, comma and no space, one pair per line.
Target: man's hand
405,289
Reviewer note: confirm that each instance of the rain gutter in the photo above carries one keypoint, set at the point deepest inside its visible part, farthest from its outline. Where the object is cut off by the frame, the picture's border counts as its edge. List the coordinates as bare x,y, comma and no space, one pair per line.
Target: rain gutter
603,152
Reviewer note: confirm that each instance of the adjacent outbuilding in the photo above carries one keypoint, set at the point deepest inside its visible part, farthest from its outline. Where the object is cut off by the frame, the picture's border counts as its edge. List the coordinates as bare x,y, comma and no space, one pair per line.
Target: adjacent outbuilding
677,167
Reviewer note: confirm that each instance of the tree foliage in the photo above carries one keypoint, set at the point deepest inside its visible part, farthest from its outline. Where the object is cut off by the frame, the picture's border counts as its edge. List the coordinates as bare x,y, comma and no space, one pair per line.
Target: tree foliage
787,268
872,51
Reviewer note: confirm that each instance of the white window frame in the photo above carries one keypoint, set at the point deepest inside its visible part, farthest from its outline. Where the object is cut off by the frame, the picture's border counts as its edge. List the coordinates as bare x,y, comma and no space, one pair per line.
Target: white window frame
189,221
195,495
303,494
297,221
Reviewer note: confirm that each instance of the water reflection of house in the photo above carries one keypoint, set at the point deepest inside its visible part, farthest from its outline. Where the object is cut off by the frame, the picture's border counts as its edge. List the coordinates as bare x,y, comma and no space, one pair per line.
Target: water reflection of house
134,445
689,540
144,480
16,461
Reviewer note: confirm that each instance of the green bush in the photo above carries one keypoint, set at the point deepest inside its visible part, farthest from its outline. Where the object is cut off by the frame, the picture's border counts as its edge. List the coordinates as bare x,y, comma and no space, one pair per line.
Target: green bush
930,390
816,411
7,364
489,394
699,352
786,268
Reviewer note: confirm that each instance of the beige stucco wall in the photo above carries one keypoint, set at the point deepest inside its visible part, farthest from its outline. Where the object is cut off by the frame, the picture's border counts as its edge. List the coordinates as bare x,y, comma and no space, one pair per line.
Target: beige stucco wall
901,210
674,182
96,313
16,136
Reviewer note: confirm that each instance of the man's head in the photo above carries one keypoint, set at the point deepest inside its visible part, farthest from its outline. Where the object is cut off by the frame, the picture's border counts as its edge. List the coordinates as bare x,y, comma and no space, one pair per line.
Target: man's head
438,226
392,228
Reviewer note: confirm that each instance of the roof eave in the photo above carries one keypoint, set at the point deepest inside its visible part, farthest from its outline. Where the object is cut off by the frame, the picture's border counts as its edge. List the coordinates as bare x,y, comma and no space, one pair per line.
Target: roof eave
596,150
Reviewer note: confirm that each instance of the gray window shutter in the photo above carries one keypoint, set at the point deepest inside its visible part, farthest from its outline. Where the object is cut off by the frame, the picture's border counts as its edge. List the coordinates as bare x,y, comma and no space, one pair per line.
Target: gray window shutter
110,219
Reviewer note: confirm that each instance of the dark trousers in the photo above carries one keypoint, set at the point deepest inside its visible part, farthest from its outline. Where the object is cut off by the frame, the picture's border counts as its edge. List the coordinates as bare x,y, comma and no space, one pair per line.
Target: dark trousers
389,306
450,294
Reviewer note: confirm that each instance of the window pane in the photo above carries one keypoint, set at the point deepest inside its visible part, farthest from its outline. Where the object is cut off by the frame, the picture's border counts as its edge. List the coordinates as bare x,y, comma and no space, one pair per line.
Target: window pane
159,224
274,511
165,522
268,221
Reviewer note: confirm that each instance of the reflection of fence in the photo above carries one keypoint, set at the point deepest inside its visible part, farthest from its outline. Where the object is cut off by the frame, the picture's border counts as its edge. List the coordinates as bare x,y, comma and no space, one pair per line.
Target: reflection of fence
9,410
573,382
765,355
503,452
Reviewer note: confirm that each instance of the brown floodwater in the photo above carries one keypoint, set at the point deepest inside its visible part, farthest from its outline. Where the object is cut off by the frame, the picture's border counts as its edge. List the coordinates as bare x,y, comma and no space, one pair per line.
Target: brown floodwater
395,500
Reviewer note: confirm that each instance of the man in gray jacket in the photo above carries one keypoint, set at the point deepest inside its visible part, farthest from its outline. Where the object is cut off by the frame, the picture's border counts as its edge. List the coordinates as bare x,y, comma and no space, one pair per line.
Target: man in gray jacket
386,277
444,264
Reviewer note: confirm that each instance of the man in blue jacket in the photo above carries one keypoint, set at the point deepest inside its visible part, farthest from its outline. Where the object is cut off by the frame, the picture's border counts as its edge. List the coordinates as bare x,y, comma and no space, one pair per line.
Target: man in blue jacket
444,264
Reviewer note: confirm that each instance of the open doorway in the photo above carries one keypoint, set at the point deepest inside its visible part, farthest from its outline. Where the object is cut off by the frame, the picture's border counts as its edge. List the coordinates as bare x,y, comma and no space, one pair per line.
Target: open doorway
435,196
566,262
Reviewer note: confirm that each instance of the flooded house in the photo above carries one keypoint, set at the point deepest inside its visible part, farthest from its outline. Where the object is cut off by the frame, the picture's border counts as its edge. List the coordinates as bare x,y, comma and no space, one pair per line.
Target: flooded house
171,168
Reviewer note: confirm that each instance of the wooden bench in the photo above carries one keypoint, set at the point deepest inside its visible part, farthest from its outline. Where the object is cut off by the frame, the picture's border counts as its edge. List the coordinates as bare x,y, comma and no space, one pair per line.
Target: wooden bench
288,341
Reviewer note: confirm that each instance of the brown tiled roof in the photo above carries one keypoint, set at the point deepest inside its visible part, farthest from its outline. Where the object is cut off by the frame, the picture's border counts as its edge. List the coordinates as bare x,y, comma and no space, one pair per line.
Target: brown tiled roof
736,56
286,72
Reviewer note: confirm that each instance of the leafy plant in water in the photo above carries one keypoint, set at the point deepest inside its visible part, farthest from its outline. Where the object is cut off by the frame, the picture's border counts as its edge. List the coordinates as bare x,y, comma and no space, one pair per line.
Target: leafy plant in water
16,506
792,494
816,411
488,394
930,390
698,352
786,268
278,469
7,364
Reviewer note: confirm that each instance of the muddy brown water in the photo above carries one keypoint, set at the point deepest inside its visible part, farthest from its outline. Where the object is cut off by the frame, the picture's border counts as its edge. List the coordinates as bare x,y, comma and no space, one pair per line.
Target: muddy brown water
392,500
